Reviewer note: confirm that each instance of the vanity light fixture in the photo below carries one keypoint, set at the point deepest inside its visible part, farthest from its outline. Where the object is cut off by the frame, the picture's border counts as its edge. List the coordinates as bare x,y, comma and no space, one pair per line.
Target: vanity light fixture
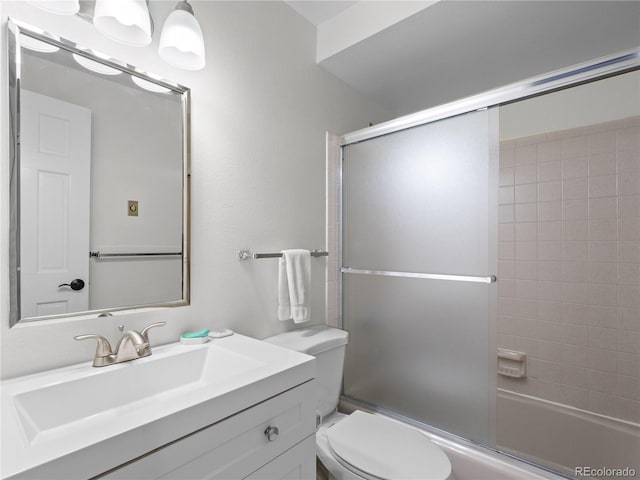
129,22
125,21
59,7
181,40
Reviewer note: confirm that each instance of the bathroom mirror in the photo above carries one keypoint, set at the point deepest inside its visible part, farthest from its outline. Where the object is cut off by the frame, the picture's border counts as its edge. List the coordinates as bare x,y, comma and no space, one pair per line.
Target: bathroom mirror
99,182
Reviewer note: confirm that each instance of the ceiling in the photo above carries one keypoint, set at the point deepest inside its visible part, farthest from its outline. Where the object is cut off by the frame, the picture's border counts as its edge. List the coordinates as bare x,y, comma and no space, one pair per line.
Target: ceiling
457,48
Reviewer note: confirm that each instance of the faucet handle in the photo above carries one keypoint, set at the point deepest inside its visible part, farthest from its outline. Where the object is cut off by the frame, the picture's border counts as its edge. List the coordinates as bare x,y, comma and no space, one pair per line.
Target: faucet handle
144,331
104,347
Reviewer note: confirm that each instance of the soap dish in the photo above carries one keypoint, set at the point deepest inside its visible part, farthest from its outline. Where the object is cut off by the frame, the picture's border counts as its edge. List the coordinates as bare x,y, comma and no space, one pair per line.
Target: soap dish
193,341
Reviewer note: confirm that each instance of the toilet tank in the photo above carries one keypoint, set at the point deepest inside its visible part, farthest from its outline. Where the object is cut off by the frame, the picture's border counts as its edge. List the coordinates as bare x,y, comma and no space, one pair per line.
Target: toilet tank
327,345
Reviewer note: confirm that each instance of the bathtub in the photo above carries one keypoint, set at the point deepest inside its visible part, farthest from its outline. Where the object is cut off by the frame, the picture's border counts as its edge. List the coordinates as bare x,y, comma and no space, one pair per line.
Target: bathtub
469,461
532,432
566,438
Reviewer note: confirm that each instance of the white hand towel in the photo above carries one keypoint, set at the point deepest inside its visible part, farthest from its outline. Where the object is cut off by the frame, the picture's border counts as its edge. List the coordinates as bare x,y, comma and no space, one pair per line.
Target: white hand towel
294,280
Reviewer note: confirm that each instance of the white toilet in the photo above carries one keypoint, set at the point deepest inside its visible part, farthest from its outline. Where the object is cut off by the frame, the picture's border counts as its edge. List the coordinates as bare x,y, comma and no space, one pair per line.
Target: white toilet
360,445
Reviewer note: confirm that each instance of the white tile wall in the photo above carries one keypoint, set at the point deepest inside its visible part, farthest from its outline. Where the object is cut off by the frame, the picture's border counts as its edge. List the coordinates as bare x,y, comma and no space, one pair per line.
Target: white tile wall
569,265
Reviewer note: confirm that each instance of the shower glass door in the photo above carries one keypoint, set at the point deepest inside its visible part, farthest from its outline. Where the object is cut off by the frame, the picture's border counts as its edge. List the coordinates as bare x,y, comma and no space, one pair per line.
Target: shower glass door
419,243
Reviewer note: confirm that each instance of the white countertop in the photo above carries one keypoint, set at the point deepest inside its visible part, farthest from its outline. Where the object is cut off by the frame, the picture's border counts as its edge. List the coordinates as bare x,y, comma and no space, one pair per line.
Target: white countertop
141,408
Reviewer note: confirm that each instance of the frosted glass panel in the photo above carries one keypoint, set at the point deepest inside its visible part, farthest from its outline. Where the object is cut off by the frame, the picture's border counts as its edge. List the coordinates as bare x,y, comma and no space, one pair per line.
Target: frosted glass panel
419,348
419,201
416,200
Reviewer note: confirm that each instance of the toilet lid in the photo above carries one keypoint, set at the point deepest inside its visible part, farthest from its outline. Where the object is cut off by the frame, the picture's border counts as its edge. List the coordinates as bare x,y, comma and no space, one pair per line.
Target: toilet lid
386,449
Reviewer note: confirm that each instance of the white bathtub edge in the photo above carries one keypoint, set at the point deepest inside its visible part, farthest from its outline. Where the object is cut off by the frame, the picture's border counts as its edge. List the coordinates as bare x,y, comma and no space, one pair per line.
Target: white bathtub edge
469,461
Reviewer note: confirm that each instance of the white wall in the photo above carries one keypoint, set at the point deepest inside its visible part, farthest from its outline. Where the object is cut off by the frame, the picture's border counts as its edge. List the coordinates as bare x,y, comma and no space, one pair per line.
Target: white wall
597,102
361,21
260,110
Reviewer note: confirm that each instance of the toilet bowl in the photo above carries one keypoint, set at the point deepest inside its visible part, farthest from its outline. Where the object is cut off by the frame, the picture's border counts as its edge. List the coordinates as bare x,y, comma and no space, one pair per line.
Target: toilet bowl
360,446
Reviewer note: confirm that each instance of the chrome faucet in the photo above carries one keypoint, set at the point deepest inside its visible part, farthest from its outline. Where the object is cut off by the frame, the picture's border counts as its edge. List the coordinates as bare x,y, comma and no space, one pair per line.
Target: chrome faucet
132,345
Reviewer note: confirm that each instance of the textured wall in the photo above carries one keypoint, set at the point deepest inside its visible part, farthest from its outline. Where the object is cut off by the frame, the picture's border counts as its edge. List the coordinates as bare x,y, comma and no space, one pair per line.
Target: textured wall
260,110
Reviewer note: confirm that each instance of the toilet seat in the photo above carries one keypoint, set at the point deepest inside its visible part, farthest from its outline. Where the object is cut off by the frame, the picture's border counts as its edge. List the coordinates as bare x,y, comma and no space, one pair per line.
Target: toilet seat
378,448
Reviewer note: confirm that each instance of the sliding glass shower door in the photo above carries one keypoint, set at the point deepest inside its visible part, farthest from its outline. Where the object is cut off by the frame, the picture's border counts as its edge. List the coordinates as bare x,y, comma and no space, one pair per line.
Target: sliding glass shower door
419,243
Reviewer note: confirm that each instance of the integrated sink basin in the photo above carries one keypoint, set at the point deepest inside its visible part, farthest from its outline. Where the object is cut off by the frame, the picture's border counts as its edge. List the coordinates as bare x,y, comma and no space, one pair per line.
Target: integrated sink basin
90,419
115,390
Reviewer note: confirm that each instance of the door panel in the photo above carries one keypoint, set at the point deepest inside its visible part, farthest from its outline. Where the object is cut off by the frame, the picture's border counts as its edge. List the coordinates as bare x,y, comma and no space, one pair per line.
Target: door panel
416,207
54,196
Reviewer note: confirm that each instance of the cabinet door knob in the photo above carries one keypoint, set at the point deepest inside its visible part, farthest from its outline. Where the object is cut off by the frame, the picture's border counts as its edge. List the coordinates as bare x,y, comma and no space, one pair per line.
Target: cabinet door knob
271,433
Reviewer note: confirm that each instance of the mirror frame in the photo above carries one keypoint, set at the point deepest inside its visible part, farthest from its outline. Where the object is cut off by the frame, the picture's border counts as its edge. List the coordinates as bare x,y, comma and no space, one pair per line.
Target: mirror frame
14,30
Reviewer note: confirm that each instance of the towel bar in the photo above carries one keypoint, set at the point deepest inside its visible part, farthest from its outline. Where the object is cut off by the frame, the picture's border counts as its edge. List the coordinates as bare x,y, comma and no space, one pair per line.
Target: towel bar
246,254
430,276
100,255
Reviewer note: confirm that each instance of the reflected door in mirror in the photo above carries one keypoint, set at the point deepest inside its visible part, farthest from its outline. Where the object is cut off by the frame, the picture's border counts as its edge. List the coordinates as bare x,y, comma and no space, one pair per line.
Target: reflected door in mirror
55,203
86,142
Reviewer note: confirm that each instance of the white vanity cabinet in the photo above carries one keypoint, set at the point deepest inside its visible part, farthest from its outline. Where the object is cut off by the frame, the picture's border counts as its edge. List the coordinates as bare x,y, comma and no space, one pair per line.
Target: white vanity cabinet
274,439
228,409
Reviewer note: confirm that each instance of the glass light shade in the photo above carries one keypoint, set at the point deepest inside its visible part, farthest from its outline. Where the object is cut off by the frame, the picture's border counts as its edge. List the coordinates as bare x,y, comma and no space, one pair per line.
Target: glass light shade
150,86
36,45
181,41
125,21
59,7
95,66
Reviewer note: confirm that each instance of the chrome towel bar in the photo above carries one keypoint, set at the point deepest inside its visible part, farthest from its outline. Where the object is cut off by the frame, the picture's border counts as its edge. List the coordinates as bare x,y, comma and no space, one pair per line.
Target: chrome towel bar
99,255
429,276
246,254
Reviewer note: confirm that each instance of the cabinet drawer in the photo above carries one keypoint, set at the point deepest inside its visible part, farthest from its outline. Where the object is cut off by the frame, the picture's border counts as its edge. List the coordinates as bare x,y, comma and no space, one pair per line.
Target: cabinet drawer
297,463
233,447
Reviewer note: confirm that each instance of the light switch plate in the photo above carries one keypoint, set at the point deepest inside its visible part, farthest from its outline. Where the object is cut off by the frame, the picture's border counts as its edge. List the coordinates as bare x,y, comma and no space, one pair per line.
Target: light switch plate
132,208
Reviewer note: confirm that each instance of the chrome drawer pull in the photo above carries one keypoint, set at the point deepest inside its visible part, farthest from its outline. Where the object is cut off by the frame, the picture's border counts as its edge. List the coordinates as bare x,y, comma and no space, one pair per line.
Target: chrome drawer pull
271,433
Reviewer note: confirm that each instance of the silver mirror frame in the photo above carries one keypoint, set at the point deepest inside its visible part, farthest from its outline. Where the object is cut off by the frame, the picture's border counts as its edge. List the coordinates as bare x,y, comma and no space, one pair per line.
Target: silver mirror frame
15,29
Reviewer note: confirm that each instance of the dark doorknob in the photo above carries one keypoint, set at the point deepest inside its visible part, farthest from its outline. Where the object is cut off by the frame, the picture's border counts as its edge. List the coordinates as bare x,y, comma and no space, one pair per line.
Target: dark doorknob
76,284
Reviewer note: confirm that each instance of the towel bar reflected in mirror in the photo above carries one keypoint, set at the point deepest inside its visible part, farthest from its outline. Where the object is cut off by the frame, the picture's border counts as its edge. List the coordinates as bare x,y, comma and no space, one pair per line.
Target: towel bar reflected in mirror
246,254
